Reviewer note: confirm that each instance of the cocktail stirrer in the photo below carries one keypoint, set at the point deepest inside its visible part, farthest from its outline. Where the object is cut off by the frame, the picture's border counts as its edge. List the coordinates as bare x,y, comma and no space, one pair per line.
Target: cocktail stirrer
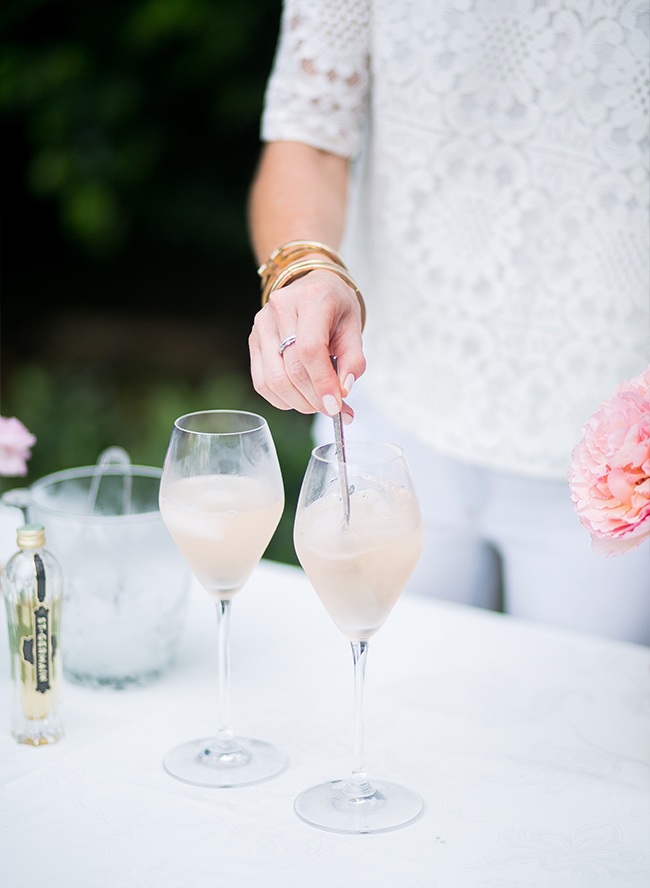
340,453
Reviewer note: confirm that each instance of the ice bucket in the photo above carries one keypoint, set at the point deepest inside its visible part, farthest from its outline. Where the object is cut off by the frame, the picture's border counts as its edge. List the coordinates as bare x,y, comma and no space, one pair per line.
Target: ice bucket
125,583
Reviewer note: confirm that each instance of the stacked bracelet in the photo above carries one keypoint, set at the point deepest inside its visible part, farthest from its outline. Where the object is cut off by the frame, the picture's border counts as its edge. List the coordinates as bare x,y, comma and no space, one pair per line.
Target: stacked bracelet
288,253
285,264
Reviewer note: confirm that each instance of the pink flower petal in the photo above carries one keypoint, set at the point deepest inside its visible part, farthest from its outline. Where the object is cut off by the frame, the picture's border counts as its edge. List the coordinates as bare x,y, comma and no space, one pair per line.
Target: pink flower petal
609,476
16,442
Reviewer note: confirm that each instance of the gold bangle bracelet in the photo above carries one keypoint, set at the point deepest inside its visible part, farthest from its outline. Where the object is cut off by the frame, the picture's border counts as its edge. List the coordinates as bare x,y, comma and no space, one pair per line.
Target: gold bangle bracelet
288,253
297,269
303,246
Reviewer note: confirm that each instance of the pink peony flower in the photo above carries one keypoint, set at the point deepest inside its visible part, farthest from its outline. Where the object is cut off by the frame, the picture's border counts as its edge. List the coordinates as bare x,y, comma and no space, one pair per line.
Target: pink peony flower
610,470
15,445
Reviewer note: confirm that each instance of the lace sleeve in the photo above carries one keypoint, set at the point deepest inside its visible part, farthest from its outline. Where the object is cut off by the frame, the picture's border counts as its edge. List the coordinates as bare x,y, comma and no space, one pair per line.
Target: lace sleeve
318,89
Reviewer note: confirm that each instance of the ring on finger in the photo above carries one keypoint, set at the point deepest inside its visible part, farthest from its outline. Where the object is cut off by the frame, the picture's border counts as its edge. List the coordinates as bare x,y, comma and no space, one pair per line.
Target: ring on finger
286,343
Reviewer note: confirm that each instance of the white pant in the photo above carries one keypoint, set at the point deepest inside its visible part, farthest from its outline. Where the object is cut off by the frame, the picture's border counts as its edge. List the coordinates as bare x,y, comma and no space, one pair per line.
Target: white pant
505,541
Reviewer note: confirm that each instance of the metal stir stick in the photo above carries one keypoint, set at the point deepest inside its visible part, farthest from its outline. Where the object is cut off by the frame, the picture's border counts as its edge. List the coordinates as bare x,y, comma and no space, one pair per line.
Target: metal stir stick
340,453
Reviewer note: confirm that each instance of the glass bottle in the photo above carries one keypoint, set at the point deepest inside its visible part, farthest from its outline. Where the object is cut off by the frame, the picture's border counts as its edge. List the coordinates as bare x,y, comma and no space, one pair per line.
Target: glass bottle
32,585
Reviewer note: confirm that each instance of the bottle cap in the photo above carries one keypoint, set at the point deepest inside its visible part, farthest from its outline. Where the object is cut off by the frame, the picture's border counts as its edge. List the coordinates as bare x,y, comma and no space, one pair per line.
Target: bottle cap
31,536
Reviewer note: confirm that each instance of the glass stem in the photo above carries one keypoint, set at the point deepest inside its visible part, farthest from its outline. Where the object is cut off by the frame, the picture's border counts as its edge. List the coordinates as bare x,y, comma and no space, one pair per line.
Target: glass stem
225,737
358,786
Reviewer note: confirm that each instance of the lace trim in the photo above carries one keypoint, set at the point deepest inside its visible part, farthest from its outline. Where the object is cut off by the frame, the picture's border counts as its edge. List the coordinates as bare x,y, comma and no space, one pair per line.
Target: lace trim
318,92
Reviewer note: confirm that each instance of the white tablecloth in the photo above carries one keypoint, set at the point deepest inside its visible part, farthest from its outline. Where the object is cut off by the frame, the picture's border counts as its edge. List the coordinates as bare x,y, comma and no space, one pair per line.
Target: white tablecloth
529,745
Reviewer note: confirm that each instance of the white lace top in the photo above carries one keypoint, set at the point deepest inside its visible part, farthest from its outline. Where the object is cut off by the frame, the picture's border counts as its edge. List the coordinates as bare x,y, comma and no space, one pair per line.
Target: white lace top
499,220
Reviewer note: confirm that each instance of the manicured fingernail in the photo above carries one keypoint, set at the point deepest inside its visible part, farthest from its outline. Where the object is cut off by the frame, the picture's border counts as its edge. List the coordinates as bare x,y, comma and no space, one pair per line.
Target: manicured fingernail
330,404
347,419
347,385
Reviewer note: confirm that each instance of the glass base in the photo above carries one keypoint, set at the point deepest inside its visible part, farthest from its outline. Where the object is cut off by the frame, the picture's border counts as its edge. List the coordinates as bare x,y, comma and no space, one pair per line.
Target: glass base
328,807
38,737
200,762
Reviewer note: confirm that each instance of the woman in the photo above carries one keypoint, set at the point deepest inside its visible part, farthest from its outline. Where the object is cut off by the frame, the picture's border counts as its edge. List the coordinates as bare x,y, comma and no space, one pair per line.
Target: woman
485,167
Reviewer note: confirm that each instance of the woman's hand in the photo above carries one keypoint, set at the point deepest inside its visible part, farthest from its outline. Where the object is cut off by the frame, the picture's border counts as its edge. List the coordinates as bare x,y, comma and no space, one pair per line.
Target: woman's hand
300,193
324,315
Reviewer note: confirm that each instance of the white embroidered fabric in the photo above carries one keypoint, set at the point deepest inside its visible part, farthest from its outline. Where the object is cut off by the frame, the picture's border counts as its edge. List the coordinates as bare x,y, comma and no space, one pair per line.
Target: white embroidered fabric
499,220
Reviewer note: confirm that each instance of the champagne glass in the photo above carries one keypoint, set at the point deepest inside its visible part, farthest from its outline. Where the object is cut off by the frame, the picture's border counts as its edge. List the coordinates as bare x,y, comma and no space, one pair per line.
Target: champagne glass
358,569
221,497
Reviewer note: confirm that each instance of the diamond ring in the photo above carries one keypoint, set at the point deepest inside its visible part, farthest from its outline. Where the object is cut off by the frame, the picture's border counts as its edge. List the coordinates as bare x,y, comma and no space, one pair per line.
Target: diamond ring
286,343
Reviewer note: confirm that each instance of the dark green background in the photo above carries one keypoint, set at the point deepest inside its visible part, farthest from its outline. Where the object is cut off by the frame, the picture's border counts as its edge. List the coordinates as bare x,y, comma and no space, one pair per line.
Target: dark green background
130,134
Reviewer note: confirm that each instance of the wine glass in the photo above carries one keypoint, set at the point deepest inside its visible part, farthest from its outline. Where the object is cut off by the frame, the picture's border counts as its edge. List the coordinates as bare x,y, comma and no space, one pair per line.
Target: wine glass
221,497
358,568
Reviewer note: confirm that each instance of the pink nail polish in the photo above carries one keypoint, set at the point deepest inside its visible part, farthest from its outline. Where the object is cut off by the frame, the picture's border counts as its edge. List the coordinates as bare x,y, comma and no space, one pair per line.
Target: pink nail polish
349,382
330,404
347,419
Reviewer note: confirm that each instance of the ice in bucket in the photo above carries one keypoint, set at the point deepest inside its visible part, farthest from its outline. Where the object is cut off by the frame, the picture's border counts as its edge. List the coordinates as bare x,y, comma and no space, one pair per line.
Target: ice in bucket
125,583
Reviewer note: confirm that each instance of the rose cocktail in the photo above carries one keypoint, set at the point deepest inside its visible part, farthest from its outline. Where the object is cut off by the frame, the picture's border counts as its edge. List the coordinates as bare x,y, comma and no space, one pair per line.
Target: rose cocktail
221,524
221,498
358,569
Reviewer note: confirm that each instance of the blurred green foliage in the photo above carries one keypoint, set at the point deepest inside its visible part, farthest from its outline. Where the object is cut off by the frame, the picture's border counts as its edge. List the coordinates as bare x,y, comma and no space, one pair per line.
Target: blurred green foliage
137,122
75,414
140,116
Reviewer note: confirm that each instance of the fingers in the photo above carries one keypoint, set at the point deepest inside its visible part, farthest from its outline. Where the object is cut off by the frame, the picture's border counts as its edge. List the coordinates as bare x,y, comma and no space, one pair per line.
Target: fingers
271,371
300,378
257,376
329,323
271,382
322,312
346,345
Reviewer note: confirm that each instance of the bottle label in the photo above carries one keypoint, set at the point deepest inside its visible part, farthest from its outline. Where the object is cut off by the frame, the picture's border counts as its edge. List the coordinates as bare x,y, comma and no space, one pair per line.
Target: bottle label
41,631
42,636
36,649
40,577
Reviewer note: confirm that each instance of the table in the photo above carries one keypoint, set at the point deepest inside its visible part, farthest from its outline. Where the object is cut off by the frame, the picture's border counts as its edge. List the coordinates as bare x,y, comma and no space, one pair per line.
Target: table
528,743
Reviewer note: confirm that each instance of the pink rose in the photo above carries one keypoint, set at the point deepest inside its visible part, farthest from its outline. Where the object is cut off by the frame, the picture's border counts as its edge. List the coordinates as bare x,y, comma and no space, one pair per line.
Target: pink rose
610,470
15,444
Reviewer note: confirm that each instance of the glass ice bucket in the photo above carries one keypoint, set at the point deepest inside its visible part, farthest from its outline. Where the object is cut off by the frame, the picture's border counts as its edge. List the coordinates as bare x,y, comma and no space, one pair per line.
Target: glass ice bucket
125,582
